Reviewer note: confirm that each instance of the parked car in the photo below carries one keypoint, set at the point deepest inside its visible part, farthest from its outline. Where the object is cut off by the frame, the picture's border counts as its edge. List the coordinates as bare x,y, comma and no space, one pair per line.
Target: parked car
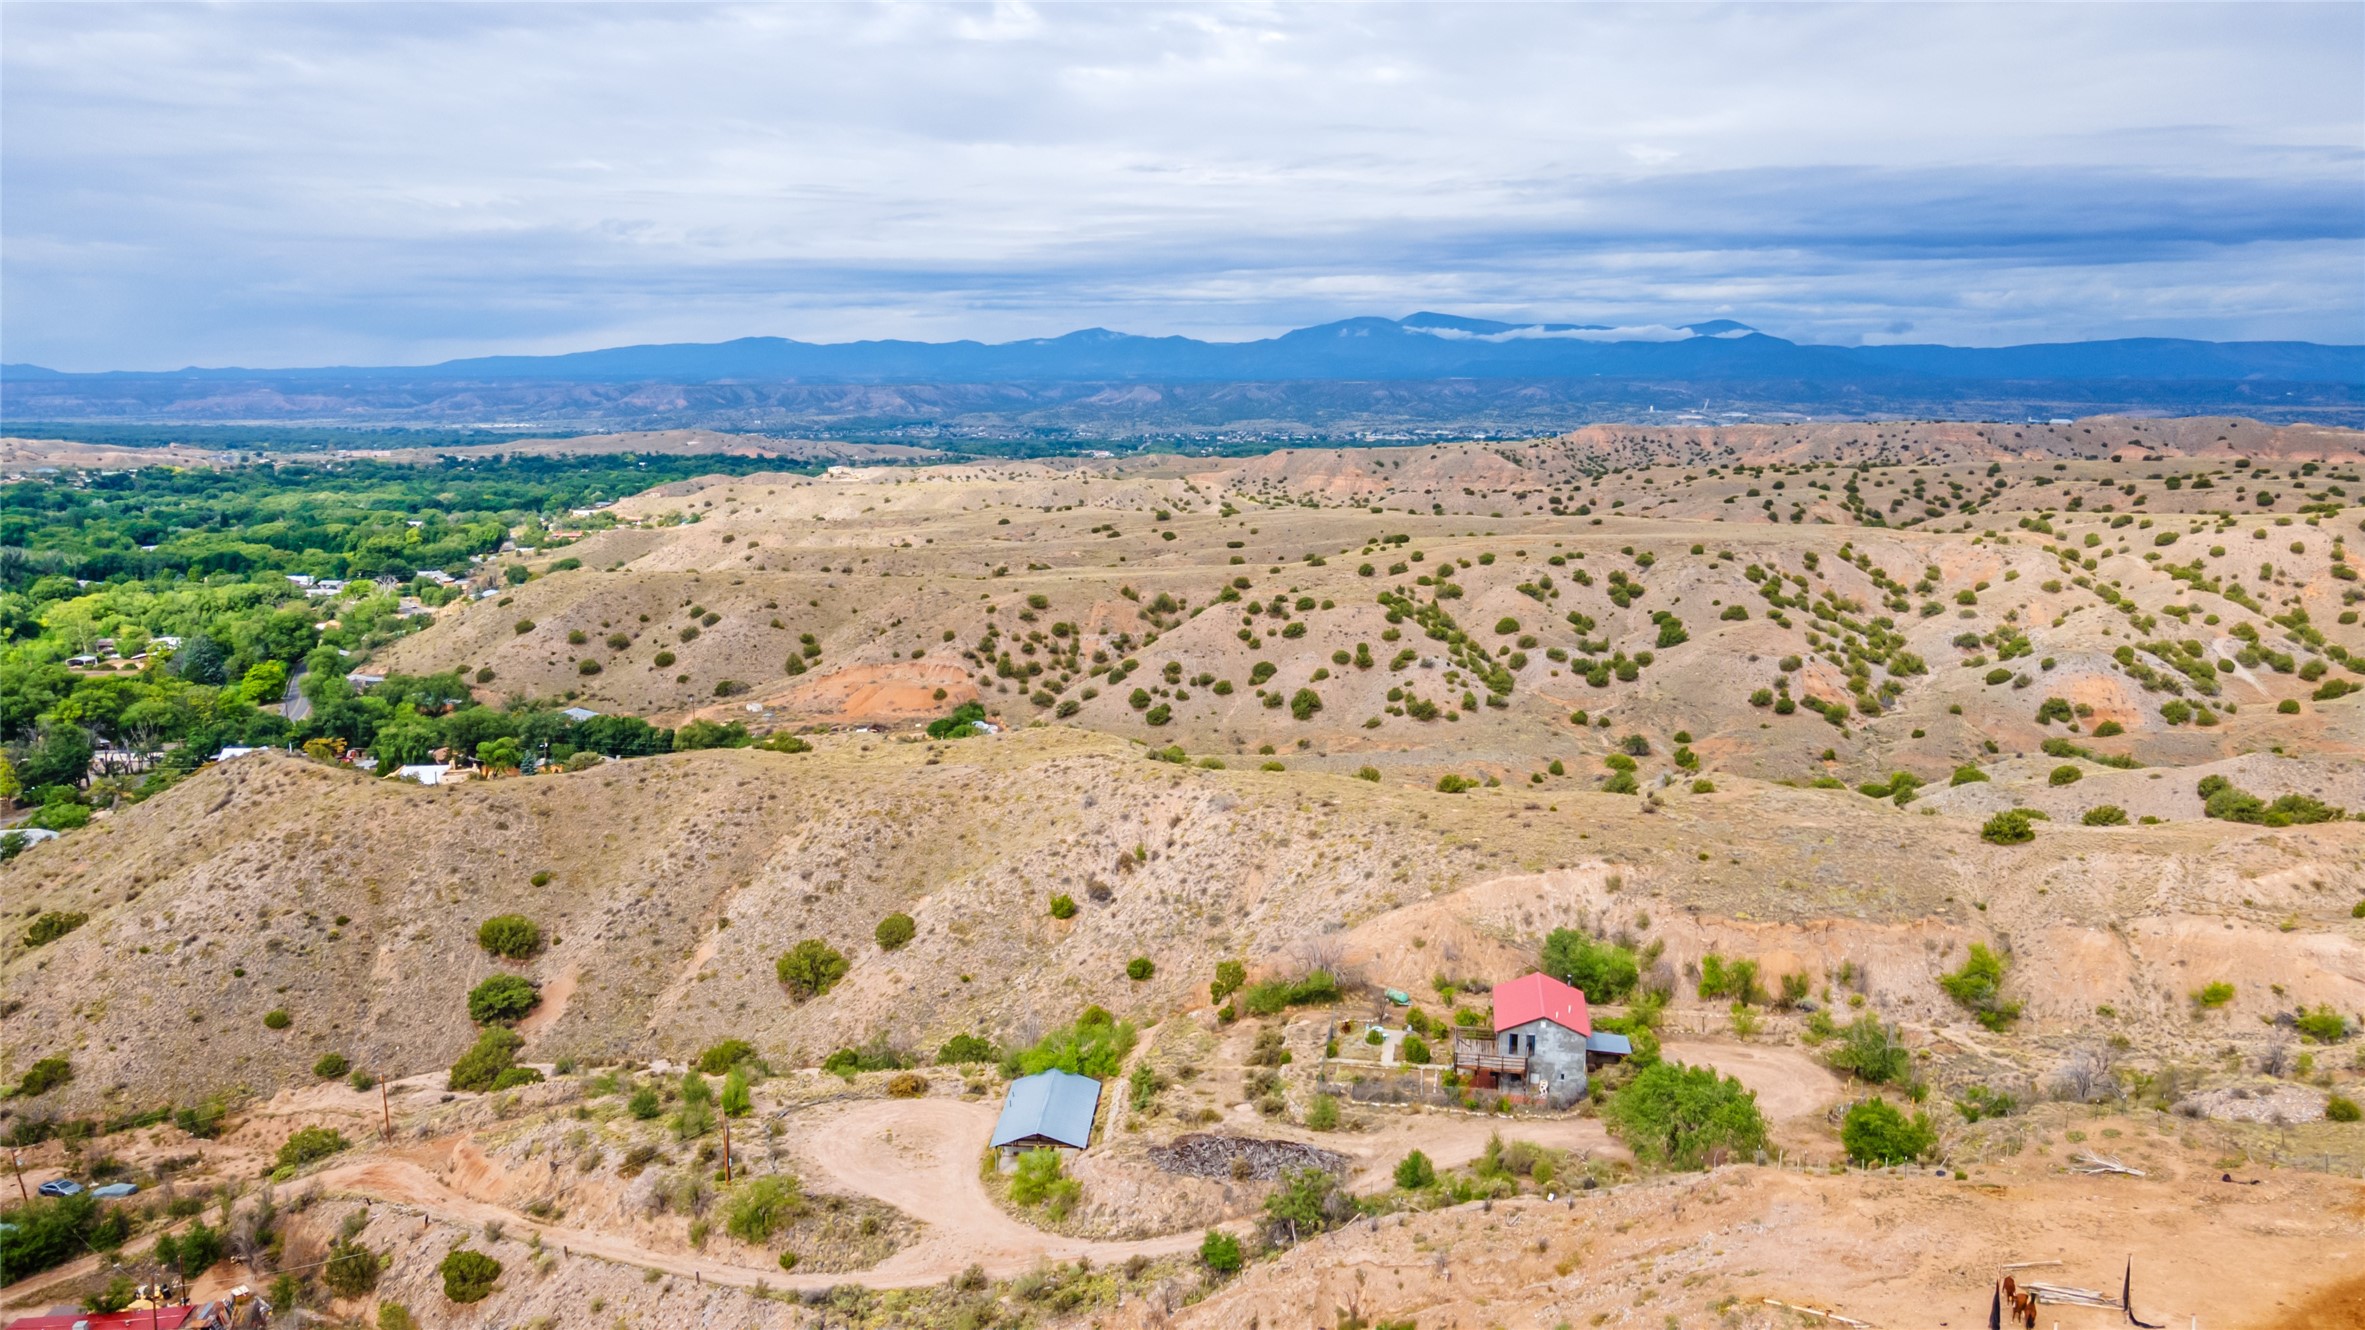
115,1190
60,1187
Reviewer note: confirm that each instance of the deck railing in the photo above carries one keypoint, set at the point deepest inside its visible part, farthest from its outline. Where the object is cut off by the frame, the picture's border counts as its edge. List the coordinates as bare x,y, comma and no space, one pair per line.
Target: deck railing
1482,1055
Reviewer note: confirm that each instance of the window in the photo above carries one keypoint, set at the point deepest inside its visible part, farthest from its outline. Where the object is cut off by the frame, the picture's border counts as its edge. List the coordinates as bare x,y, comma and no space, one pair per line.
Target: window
1531,1044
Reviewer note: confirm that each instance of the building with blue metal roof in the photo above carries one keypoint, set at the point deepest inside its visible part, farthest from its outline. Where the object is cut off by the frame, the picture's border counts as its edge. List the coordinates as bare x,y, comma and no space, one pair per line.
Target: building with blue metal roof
1051,1110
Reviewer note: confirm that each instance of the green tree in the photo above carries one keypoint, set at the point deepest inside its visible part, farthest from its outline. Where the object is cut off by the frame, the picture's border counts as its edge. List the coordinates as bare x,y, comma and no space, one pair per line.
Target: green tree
1675,1116
502,999
1093,1046
502,754
736,1101
967,1048
482,1066
1874,1132
1414,1172
1603,971
59,756
2013,826
895,930
761,1207
1308,1201
468,1276
1869,1049
811,968
510,935
722,1055
352,1270
53,925
1978,988
1220,1252
1229,976
308,1144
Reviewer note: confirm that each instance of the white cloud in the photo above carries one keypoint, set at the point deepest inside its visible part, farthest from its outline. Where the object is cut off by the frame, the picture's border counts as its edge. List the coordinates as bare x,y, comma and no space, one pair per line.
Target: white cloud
1633,332
291,184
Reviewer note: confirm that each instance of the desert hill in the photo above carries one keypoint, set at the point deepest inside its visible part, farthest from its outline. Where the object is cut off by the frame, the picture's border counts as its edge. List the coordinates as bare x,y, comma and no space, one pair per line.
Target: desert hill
668,886
1212,604
1393,714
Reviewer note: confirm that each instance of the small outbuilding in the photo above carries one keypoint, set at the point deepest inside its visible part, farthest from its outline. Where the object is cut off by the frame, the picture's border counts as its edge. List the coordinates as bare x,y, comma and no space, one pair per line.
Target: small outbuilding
1050,1110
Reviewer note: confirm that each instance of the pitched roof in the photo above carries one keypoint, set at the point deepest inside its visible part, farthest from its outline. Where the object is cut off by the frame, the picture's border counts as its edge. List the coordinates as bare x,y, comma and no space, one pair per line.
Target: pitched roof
165,1318
1049,1106
1536,997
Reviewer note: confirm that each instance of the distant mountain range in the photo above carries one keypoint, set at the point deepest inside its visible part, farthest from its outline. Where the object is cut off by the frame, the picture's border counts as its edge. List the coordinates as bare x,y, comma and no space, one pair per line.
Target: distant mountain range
1359,374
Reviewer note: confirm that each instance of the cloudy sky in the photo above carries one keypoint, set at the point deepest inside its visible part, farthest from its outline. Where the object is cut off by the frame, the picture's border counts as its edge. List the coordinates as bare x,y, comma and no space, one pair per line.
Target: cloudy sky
387,184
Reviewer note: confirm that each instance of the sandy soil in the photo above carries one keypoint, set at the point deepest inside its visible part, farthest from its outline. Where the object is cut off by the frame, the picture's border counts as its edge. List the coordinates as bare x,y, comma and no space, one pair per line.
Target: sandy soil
1909,1250
1790,1084
921,1156
1451,1140
917,1155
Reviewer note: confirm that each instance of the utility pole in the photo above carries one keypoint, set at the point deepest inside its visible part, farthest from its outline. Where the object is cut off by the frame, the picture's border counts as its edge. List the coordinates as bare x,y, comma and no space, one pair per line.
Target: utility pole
726,1148
17,1162
385,1118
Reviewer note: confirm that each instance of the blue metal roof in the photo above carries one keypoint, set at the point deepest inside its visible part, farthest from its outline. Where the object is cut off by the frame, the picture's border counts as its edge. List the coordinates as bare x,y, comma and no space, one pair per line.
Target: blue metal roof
1049,1106
1603,1041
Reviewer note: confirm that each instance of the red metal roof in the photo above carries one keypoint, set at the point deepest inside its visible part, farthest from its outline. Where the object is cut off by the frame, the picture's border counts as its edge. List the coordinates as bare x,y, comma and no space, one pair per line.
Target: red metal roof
1541,997
163,1318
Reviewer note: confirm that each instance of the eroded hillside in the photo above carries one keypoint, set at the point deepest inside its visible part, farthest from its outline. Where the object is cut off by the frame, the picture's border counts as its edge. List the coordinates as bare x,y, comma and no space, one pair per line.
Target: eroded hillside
669,886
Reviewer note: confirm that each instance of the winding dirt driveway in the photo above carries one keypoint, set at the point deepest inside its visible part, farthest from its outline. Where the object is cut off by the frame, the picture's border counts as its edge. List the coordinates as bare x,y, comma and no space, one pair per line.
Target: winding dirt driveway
919,1155
1790,1084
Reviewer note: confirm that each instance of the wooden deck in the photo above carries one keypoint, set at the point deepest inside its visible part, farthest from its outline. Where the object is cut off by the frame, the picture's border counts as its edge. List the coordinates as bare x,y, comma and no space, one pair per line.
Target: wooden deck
1482,1055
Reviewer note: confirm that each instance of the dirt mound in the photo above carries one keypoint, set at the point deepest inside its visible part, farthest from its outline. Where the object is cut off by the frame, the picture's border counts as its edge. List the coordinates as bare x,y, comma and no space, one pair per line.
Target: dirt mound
1209,1155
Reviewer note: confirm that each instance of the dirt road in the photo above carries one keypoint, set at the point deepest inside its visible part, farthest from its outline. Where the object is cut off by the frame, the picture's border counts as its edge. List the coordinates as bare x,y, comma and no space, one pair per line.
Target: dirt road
917,1155
921,1156
1789,1083
1454,1139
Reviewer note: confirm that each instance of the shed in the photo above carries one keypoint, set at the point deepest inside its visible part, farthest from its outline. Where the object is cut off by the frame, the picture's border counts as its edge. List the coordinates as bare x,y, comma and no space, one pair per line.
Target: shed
1048,1110
578,714
1605,1046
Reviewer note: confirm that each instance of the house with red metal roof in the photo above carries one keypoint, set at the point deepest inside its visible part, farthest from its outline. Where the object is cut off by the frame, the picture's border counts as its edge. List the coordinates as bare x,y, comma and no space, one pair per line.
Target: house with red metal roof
1543,1043
67,1318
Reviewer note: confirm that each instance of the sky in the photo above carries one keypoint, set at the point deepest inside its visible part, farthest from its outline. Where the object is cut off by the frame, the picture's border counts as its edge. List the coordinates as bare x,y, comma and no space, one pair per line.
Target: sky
277,185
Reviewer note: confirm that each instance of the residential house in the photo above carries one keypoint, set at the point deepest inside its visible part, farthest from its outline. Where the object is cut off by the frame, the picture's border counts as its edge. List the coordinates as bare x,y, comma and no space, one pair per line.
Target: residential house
1543,1043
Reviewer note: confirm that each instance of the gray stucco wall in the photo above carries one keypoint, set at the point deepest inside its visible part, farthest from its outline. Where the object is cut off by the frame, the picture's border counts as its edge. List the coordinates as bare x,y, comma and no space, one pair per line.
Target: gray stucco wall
1556,1067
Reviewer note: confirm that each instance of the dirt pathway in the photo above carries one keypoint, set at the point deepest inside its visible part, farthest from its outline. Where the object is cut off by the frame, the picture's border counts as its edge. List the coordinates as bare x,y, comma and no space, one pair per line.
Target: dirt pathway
921,1156
1789,1083
1450,1140
917,1155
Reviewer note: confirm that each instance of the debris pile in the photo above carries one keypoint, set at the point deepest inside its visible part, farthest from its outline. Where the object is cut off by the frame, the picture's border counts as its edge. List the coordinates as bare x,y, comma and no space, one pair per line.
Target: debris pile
1204,1155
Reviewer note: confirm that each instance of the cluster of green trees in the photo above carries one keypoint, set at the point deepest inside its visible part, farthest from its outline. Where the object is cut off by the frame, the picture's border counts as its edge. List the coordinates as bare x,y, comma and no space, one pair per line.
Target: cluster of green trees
343,519
203,556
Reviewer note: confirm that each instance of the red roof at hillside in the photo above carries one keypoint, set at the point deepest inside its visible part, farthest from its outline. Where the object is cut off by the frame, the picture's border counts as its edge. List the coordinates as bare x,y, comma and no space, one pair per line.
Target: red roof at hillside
164,1318
1540,997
